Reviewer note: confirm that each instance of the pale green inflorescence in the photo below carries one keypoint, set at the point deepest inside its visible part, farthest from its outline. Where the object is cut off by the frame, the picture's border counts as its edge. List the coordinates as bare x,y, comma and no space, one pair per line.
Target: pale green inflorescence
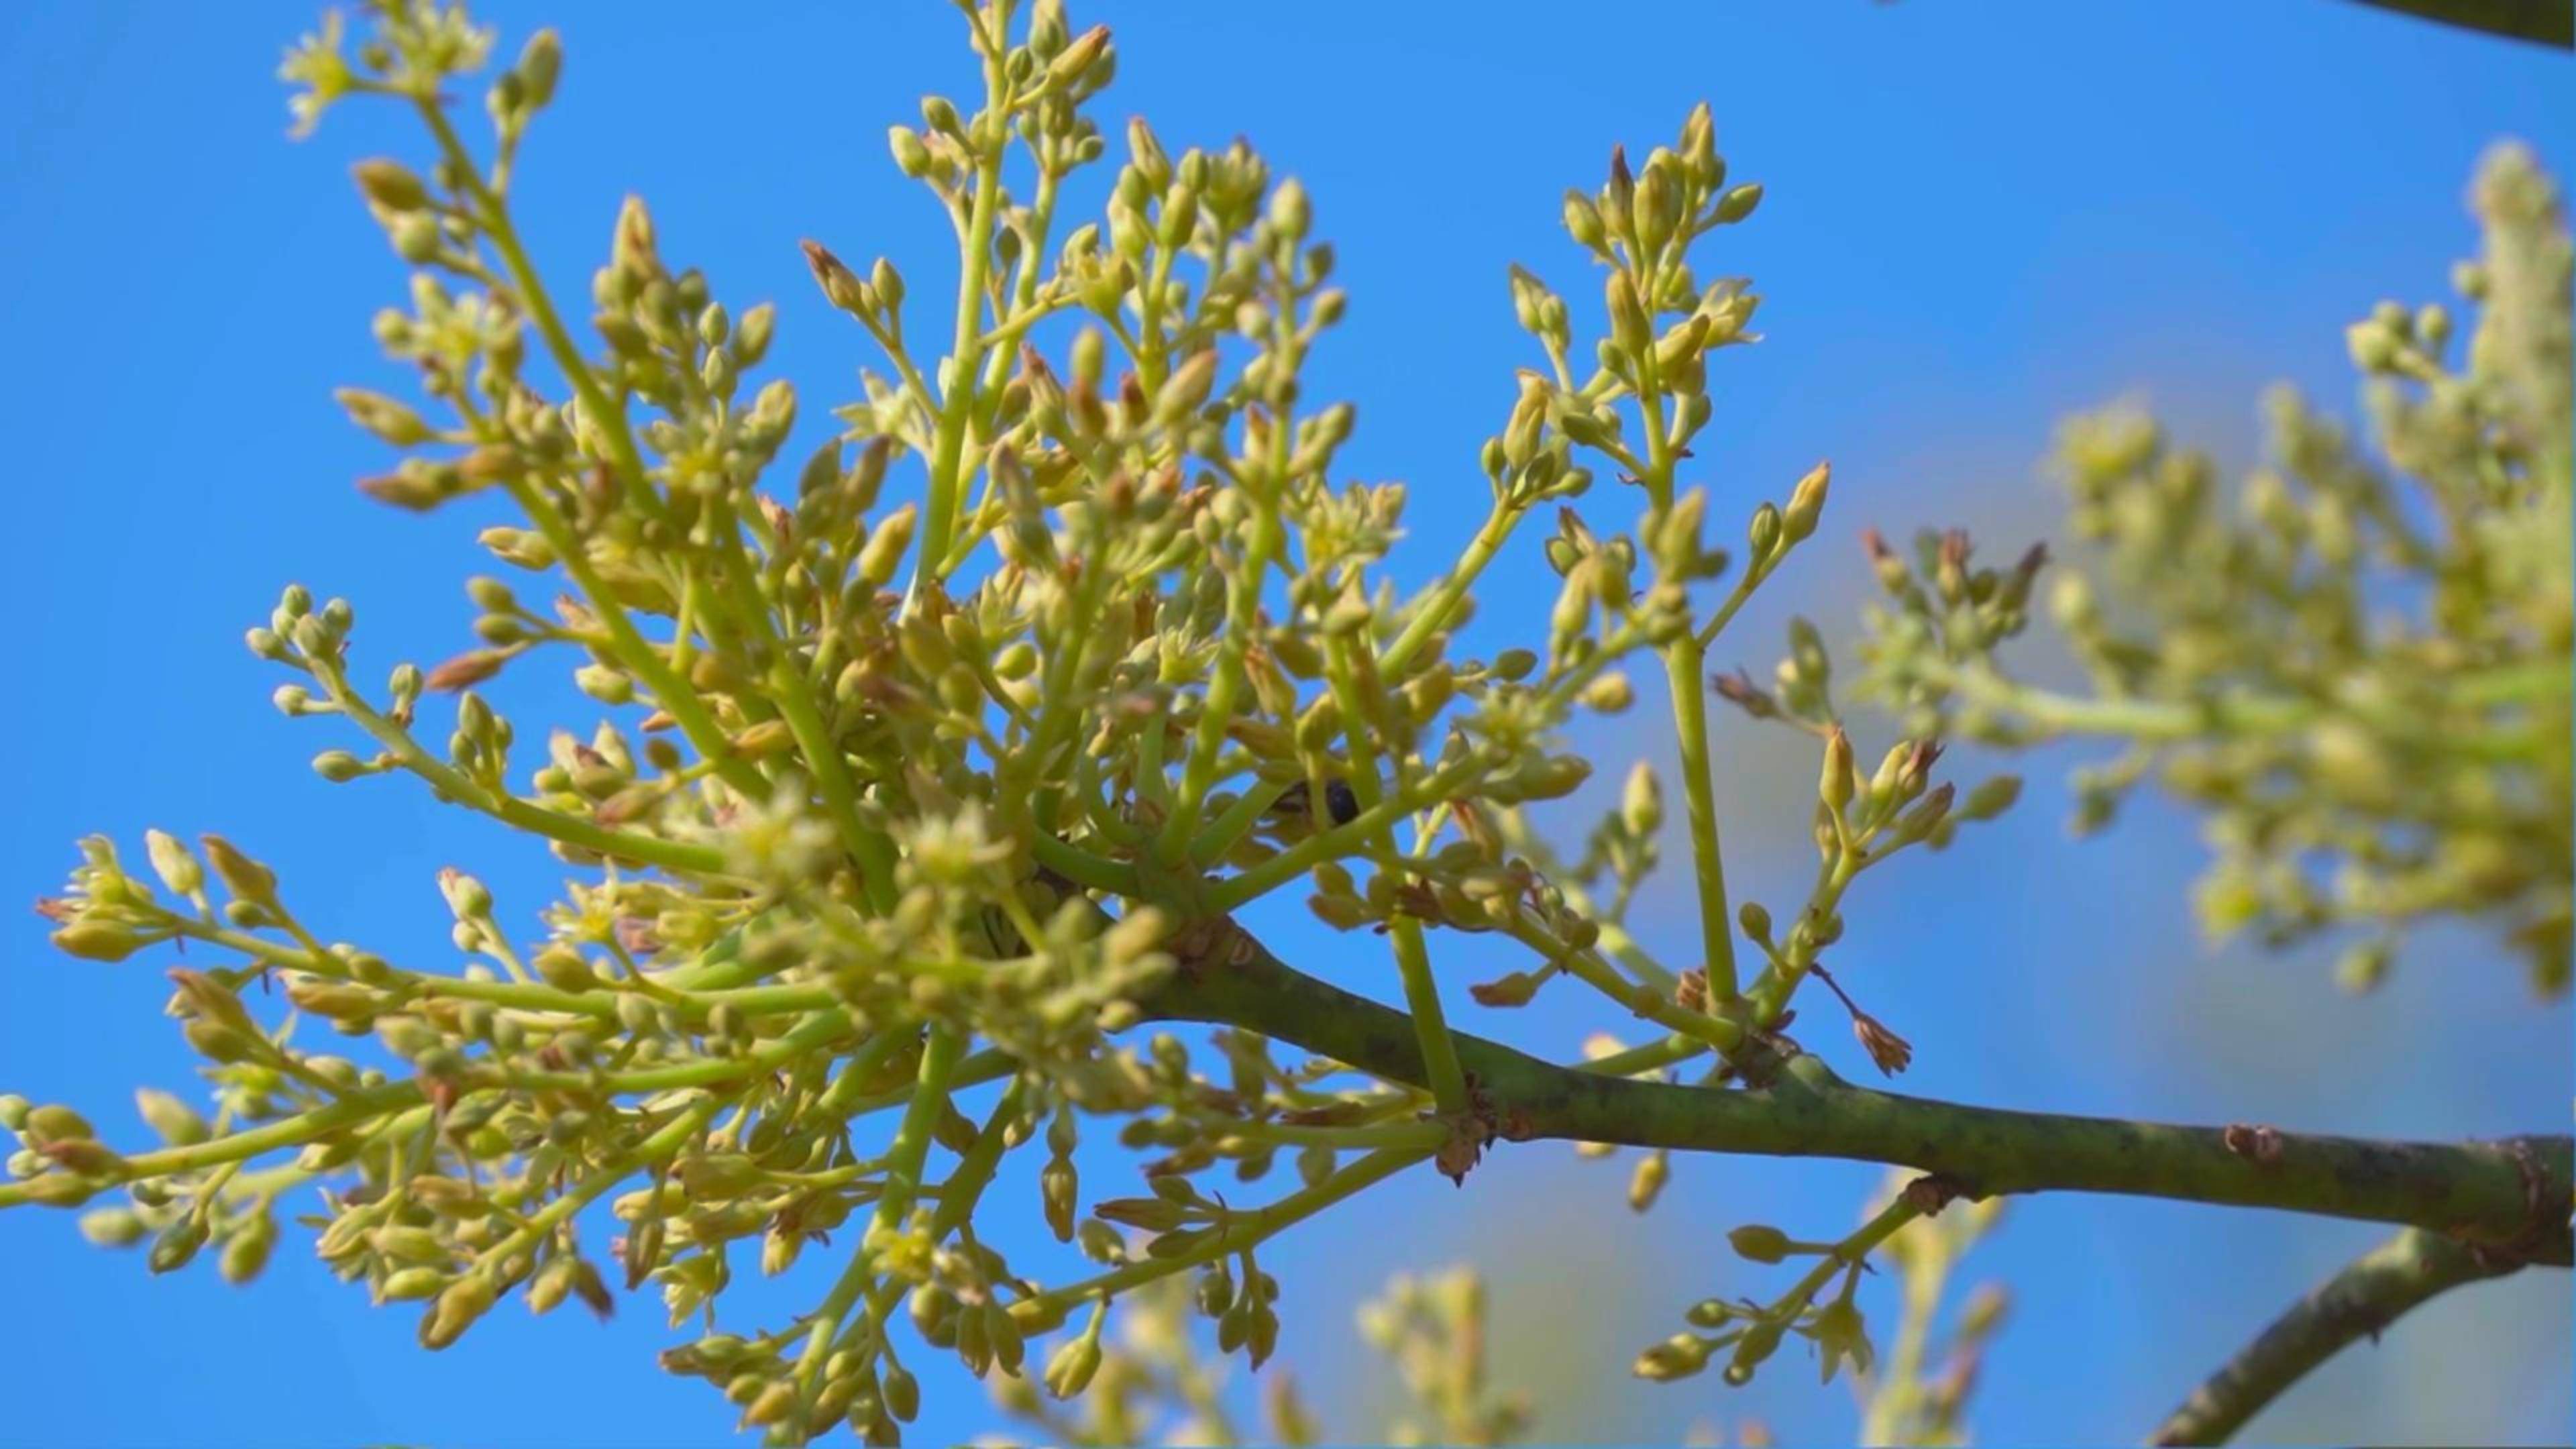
2355,664
892,802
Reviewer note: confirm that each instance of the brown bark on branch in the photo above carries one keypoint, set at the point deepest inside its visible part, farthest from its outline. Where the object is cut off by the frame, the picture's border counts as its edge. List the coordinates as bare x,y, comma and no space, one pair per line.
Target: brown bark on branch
2364,1298
2510,1197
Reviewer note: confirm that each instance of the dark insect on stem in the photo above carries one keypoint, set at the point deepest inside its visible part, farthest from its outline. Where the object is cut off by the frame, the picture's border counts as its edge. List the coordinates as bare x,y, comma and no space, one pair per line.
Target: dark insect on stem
1340,803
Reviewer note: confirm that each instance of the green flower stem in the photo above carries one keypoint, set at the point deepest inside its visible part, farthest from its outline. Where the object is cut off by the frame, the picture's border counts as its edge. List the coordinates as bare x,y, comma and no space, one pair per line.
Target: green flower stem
1684,658
526,996
1210,845
1412,953
1243,1230
1743,590
870,848
846,1096
785,999
1617,945
1153,784
241,1146
890,342
1402,1136
2514,1191
1684,661
1149,346
267,1184
989,1065
1422,1002
1849,1253
1059,713
660,1146
669,690
823,1029
940,1054
1243,603
793,696
1715,1032
1614,649
1024,312
1640,1059
957,409
2363,1298
965,1187
1434,613
1084,868
768,1000
1216,711
1239,890
1780,980
672,855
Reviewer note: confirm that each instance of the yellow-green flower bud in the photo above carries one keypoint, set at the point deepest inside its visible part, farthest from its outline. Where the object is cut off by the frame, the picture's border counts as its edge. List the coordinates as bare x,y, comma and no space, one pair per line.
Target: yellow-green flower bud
1630,330
911,156
1290,211
1759,1243
902,1393
389,420
338,766
246,1252
457,1308
93,939
177,1123
1755,919
1806,503
1677,1357
1067,70
1529,418
1186,390
883,553
1834,785
390,185
114,1227
1641,805
564,969
1653,1170
415,237
177,1245
1583,222
1656,209
1069,1370
540,65
174,863
244,877
1991,799
53,1123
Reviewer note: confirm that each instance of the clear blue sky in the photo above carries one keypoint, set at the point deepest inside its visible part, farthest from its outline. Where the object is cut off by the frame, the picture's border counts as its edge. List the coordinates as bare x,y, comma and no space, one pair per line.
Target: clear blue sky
1980,216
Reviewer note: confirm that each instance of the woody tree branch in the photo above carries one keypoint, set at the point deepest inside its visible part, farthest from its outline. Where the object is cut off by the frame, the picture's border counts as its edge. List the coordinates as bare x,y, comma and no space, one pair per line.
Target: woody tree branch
2509,1197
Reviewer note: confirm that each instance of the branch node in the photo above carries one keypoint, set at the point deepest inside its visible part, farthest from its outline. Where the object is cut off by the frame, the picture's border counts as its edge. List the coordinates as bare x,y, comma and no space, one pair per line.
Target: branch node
2259,1143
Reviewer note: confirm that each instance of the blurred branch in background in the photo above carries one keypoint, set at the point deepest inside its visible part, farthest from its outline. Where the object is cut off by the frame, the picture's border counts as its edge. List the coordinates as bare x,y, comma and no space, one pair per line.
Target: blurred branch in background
2367,1296
2549,22
1919,1396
